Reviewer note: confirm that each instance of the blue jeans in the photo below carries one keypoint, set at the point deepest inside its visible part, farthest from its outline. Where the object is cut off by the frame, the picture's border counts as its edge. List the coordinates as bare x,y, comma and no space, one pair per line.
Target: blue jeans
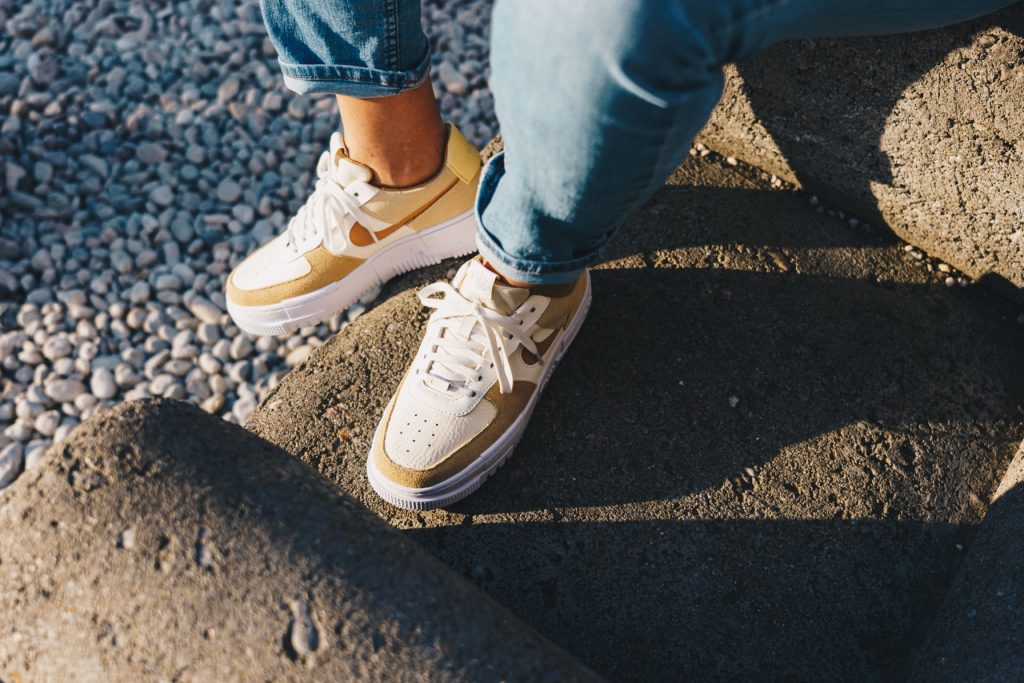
598,100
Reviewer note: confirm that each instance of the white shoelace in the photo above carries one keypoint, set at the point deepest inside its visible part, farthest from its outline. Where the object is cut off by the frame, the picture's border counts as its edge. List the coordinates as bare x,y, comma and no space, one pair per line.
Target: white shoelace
328,204
457,363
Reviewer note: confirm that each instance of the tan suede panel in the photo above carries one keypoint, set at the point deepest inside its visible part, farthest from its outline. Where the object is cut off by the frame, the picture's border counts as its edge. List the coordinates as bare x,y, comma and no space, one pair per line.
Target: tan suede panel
392,204
509,407
561,309
462,163
361,237
461,156
326,268
459,199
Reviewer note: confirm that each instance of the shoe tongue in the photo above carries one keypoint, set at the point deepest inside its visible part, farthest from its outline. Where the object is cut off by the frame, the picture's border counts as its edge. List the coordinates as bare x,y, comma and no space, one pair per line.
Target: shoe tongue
477,283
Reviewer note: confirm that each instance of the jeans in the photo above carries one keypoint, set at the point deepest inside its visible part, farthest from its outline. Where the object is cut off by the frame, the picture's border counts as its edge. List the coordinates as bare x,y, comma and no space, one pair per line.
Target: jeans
598,101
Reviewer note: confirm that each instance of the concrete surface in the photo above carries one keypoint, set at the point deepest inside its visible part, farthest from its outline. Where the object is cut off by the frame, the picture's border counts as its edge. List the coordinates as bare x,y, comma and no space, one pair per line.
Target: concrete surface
979,635
924,133
760,460
160,543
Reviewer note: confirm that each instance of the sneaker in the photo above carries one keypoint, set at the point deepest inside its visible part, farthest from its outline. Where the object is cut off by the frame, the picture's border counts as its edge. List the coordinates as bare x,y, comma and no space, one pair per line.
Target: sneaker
465,402
352,236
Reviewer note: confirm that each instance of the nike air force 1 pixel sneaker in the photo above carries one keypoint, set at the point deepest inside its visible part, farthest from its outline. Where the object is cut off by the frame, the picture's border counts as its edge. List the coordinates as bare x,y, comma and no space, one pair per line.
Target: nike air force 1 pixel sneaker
465,402
352,236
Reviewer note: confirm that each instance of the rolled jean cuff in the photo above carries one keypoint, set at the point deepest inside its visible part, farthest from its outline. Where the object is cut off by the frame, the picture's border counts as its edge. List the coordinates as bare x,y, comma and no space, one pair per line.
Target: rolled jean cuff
530,271
352,81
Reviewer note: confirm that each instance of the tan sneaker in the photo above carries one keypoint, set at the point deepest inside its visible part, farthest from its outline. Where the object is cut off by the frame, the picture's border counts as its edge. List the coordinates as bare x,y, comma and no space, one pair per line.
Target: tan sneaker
465,402
352,236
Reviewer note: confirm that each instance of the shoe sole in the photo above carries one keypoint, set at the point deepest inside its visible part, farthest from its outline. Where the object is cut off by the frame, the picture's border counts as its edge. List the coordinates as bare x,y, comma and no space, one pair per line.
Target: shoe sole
472,477
452,238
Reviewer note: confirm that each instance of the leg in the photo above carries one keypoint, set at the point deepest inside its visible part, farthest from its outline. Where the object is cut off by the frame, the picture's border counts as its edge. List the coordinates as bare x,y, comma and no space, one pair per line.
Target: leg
400,137
396,193
598,103
373,56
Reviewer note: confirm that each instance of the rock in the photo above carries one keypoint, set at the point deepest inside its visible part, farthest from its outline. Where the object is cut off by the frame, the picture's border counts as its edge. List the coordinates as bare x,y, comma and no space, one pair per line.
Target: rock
56,347
47,423
34,452
64,390
228,89
9,84
102,384
241,347
454,82
228,191
298,355
206,310
151,153
162,195
10,463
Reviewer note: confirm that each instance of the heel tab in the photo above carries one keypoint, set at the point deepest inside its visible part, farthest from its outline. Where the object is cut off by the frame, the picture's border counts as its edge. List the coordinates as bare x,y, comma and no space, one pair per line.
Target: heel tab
461,156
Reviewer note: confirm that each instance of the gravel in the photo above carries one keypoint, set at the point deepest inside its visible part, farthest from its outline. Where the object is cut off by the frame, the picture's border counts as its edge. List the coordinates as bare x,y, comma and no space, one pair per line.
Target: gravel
144,151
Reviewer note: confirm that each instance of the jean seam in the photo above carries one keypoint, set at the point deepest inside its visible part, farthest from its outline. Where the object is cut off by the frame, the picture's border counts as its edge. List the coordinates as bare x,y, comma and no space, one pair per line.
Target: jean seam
359,74
391,31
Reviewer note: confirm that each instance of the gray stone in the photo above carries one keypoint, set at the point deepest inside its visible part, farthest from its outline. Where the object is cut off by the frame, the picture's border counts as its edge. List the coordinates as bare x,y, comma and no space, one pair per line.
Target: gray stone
47,423
162,195
329,592
64,390
9,84
228,191
151,153
454,82
102,384
206,310
34,452
241,347
10,463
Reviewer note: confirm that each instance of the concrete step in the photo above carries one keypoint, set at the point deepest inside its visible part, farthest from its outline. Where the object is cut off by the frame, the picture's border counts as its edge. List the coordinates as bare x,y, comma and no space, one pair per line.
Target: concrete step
977,635
160,543
763,458
921,132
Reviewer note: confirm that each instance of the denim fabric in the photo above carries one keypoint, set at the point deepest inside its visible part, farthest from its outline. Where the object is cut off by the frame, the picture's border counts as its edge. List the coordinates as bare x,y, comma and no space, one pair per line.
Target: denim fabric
598,100
360,48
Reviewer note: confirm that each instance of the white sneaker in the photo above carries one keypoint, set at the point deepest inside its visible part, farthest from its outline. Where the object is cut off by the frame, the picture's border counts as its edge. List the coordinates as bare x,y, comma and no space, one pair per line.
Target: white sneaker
465,402
352,236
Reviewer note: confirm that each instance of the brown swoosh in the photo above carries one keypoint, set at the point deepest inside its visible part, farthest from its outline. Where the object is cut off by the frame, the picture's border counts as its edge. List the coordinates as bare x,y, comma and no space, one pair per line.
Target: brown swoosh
361,237
542,348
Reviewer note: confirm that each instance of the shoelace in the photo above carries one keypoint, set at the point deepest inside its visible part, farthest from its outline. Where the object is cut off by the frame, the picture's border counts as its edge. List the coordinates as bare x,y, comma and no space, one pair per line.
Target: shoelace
326,206
457,363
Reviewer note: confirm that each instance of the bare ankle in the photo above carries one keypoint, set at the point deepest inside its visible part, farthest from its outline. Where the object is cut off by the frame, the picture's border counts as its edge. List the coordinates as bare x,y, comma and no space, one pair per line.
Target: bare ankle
401,137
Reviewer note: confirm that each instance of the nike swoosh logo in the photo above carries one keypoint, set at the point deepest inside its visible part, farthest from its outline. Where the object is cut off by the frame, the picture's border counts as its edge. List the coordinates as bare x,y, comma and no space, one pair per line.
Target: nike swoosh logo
542,349
360,236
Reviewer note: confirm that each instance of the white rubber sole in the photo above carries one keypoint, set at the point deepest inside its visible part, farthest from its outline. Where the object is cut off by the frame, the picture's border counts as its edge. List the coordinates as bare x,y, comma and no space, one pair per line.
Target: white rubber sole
454,237
472,477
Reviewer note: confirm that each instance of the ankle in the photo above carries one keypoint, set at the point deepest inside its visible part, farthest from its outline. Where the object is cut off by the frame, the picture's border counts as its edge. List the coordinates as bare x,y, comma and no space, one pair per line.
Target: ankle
503,278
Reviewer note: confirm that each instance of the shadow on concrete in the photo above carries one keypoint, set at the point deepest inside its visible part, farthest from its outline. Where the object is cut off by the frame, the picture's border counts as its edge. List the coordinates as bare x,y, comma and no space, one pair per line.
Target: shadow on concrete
659,530
837,122
784,600
977,634
640,409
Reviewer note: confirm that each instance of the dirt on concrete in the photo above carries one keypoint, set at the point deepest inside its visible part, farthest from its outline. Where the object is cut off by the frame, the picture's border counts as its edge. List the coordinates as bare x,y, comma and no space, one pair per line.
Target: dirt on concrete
922,132
764,456
160,543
